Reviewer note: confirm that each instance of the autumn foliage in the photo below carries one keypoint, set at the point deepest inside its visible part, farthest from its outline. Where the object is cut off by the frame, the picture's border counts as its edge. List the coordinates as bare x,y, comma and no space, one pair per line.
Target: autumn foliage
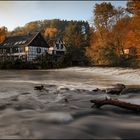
116,38
3,31
50,32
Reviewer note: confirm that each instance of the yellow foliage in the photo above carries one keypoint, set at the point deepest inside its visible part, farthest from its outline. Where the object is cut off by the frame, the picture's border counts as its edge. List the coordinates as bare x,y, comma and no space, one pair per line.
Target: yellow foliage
2,38
134,7
3,31
50,32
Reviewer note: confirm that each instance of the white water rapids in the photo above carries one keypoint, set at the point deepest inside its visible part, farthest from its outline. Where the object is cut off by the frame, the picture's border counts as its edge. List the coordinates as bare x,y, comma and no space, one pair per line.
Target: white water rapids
125,75
75,77
28,113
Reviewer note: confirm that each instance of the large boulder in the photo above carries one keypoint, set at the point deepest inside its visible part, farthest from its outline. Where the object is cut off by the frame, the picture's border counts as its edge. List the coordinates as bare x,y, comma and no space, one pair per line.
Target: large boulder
131,89
117,89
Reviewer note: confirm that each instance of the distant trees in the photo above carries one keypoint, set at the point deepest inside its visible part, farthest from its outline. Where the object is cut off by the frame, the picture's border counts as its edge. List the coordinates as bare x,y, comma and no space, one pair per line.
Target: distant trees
75,33
29,27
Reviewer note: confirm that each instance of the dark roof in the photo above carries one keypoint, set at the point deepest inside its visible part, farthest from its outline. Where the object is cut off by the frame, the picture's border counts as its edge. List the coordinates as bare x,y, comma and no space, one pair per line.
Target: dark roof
24,40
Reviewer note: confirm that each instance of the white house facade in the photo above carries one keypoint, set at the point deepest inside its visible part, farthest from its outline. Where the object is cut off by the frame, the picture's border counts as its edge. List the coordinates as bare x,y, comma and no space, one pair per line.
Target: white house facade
58,48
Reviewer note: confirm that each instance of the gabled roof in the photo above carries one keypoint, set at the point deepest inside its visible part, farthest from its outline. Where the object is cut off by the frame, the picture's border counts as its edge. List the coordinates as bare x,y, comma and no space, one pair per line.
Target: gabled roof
25,40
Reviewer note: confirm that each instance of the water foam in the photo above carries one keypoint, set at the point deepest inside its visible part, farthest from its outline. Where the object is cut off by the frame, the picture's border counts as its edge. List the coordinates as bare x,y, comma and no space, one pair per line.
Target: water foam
126,75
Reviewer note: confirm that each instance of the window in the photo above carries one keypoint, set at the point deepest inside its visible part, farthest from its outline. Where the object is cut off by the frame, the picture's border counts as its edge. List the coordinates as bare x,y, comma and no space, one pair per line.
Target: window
1,51
46,51
38,50
15,50
23,41
8,50
126,51
4,50
132,51
20,42
16,43
20,49
57,46
61,46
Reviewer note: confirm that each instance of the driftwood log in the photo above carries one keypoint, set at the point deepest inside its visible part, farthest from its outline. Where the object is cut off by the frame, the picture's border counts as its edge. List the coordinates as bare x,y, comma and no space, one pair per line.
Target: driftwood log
115,102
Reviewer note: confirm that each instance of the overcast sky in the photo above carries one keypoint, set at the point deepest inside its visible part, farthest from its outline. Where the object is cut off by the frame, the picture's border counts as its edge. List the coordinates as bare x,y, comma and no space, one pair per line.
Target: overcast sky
18,13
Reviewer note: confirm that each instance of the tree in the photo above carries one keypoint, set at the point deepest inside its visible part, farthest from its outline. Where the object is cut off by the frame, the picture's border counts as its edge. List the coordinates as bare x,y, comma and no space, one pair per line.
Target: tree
103,16
76,37
133,6
111,25
104,20
50,33
132,38
75,56
76,34
119,32
3,33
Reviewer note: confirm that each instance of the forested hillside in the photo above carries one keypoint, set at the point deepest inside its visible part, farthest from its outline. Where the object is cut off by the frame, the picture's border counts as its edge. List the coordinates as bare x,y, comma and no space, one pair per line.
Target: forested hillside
75,33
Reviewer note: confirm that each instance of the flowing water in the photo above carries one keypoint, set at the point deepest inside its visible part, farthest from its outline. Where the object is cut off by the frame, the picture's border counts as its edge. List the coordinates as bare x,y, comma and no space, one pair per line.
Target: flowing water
27,113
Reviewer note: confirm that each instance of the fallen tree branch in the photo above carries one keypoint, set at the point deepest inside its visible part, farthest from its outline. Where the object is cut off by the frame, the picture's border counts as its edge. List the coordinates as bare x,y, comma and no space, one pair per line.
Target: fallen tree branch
115,102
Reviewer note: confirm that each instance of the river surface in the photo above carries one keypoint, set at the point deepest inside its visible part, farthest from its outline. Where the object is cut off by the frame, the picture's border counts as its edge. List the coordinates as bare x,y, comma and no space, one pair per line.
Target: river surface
83,78
27,113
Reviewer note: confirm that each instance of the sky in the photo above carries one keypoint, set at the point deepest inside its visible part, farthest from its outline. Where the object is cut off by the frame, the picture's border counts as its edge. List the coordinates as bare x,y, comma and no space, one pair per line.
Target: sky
18,13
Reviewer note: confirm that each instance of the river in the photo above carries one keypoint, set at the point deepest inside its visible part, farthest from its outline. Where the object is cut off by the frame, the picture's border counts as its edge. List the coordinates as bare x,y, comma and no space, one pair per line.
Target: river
27,113
85,78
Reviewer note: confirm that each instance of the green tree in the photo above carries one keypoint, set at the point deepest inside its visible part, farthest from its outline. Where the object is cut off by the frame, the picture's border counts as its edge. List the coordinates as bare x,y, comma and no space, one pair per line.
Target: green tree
76,35
103,16
75,56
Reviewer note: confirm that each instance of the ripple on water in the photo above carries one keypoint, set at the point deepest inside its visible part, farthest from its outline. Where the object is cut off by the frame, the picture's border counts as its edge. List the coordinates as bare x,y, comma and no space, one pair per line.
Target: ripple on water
55,117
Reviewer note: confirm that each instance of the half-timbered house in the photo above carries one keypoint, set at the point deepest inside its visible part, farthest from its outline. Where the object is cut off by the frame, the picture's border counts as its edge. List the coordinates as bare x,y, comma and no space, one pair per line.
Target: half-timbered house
26,47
